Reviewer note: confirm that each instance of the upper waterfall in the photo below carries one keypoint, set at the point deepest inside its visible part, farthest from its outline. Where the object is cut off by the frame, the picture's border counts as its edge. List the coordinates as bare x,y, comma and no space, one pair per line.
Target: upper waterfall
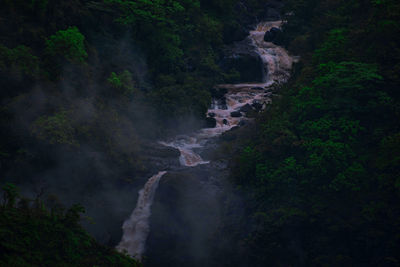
277,64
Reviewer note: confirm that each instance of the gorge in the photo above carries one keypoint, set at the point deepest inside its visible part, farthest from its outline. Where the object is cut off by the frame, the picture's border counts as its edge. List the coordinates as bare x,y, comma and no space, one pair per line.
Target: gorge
277,64
186,133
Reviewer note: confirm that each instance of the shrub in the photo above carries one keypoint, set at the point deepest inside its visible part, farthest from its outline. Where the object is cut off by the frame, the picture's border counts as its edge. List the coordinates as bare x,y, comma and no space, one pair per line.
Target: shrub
68,44
19,58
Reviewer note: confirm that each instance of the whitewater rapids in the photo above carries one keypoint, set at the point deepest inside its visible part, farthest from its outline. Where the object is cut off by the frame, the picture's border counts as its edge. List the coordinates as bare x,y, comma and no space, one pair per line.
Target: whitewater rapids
277,65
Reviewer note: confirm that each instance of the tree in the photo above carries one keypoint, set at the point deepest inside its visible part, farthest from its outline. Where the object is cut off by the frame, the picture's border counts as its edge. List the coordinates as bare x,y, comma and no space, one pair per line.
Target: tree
68,44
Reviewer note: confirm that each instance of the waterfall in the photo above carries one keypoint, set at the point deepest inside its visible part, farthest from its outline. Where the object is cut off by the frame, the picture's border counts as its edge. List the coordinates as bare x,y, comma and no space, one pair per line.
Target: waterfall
136,228
278,63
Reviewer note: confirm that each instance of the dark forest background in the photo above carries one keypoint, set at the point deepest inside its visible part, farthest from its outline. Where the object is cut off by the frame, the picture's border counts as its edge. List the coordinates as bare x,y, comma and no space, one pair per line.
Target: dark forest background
319,171
86,86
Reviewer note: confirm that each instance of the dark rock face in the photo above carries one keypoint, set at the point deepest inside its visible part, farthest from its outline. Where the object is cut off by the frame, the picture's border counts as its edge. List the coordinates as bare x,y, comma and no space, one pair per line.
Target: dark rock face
218,93
272,14
268,37
272,10
246,108
271,35
185,200
248,15
234,33
221,103
210,122
268,94
244,60
159,157
242,123
275,30
236,114
257,106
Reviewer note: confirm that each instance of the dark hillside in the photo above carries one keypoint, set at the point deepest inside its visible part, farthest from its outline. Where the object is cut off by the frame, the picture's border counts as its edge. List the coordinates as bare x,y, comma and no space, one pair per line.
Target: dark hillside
321,170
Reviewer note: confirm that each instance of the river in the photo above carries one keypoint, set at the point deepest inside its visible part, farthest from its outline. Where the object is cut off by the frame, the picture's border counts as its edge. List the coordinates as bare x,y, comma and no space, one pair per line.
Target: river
228,112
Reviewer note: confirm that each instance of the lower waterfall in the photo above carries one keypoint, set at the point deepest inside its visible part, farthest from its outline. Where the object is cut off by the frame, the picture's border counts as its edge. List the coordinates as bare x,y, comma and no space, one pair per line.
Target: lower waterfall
136,228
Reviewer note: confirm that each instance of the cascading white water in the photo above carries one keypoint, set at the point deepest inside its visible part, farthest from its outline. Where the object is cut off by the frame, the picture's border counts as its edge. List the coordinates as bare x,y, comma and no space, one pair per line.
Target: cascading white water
277,64
136,228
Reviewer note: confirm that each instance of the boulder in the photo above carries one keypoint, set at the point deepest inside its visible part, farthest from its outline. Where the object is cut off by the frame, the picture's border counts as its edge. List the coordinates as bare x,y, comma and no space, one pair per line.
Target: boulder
271,35
257,106
275,30
268,94
211,114
210,122
241,57
246,108
268,37
236,114
234,33
221,103
218,93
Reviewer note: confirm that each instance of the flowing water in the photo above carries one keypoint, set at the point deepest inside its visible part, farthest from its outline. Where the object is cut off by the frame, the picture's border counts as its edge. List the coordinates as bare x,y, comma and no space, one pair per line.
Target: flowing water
136,228
228,113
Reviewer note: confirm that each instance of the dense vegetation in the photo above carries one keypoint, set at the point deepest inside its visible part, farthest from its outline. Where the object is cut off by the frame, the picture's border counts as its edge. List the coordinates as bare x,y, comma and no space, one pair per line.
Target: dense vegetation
320,173
87,85
71,70
32,235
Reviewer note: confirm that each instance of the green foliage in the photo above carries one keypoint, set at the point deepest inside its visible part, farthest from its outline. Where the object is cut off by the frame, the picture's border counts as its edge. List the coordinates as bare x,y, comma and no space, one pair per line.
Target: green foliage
10,194
333,48
55,129
322,171
123,83
69,44
19,58
30,235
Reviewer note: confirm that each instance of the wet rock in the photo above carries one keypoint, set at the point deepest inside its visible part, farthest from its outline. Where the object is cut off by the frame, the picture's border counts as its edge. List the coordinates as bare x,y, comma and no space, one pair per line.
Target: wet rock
230,135
257,88
275,30
158,157
272,14
274,4
210,122
257,106
241,57
236,114
222,103
218,93
234,33
271,34
184,201
211,114
246,108
268,37
269,88
225,121
157,150
268,94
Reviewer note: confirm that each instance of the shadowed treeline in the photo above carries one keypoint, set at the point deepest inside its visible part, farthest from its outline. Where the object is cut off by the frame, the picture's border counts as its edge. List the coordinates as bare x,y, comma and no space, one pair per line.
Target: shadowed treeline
320,169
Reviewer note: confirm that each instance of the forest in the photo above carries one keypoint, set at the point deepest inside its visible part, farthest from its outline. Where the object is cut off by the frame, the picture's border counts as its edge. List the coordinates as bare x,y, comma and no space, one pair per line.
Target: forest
88,88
